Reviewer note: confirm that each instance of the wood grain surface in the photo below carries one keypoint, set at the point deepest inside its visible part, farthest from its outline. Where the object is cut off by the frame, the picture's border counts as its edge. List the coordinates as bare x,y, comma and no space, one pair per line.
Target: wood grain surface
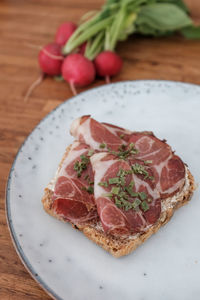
25,22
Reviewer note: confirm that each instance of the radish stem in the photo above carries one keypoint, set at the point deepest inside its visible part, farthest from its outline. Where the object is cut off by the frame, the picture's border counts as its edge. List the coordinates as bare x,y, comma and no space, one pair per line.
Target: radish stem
107,79
73,89
86,35
82,28
33,86
59,57
45,51
94,47
116,28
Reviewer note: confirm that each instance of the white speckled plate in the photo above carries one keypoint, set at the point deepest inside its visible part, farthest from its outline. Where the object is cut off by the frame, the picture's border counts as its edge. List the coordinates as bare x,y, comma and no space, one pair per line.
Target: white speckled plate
65,263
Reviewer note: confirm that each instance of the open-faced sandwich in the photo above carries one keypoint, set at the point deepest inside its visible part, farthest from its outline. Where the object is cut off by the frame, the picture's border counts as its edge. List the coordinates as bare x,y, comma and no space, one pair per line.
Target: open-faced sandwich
117,186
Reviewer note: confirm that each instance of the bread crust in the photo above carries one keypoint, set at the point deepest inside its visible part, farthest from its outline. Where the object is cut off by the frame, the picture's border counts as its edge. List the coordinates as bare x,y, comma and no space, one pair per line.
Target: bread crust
120,246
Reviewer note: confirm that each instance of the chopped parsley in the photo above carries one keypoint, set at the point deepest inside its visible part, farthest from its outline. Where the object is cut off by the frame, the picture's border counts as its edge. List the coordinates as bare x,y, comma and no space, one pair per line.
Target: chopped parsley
87,177
102,145
121,136
126,205
140,169
122,174
124,151
80,166
90,152
115,190
143,195
147,162
132,149
109,195
89,189
129,189
103,183
136,203
145,206
114,180
121,192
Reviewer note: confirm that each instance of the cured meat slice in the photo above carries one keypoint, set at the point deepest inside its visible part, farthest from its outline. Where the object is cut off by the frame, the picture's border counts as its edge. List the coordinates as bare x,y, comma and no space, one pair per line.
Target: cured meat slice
121,196
73,196
112,218
150,148
131,172
79,155
171,176
146,182
168,170
72,202
97,135
122,133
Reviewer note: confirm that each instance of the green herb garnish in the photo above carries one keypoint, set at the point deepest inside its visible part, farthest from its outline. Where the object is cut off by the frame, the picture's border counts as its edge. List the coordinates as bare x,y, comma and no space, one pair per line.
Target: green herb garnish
115,190
80,166
86,177
140,169
102,145
147,162
103,183
126,205
129,189
84,159
136,203
121,136
142,195
124,151
114,180
121,192
90,152
90,190
109,195
145,206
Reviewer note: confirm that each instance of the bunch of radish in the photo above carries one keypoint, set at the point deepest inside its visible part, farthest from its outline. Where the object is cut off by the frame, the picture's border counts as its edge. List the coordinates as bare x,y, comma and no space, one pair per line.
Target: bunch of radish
76,68
79,53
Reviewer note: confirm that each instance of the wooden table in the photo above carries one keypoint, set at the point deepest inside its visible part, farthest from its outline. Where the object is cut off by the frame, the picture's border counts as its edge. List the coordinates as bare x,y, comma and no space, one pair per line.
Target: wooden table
34,22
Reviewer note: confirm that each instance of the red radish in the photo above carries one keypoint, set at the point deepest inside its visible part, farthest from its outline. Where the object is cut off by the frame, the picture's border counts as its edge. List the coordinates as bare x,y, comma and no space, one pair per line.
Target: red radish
82,48
108,64
50,59
78,70
64,32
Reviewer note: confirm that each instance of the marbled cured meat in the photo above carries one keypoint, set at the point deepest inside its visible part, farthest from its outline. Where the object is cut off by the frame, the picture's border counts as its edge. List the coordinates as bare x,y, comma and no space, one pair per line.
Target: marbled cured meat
116,220
168,168
94,134
130,173
71,199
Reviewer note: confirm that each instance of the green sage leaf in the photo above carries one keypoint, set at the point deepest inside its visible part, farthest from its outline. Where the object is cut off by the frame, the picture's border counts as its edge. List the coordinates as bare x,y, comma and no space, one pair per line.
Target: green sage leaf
163,17
191,32
179,3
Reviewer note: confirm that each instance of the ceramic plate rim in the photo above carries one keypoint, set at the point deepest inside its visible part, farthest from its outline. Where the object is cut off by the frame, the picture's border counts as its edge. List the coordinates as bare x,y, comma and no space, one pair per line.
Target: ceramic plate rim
27,264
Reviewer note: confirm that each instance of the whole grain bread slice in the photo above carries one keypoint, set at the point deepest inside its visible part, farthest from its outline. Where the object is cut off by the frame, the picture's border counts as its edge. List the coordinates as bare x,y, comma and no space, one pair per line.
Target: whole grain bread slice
120,246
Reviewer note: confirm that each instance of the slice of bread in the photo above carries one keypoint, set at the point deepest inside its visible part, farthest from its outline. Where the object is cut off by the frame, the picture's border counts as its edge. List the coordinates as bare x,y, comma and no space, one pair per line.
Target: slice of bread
119,246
